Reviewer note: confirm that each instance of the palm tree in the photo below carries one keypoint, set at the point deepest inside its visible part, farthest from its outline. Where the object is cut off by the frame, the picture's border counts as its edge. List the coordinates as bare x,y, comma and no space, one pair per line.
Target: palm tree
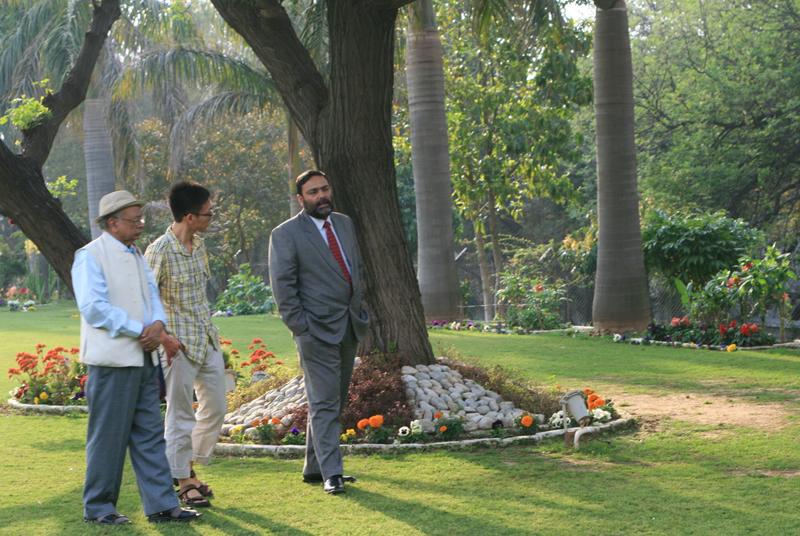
621,300
436,268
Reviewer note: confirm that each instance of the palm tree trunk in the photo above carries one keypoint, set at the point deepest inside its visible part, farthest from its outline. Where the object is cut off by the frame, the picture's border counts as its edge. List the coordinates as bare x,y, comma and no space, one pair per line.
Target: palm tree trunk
621,300
98,154
430,155
293,143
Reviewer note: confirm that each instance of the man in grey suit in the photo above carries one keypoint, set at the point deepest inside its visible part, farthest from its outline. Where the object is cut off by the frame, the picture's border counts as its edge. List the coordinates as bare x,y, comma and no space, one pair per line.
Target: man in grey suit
316,276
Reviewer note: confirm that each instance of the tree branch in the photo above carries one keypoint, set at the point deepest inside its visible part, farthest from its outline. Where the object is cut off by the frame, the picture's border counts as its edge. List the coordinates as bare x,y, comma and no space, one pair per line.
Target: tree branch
38,140
390,4
266,27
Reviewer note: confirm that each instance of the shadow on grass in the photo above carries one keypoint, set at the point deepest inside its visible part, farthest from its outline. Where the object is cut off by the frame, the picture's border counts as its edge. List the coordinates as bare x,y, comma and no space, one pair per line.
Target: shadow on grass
233,521
61,445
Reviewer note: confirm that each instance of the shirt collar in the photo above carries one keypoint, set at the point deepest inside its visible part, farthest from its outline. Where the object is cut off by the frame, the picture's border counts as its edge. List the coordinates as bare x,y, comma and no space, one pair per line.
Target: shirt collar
318,222
120,245
178,246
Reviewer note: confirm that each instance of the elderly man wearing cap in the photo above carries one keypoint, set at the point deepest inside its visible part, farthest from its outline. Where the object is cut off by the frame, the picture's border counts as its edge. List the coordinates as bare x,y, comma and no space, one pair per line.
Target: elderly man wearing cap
122,320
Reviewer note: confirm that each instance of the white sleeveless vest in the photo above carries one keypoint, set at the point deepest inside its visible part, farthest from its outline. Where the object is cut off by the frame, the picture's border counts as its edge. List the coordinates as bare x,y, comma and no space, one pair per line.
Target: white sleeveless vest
126,281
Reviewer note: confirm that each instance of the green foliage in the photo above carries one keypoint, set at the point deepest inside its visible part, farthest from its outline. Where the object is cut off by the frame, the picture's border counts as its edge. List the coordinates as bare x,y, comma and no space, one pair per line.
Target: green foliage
246,294
718,121
763,283
28,112
694,246
62,187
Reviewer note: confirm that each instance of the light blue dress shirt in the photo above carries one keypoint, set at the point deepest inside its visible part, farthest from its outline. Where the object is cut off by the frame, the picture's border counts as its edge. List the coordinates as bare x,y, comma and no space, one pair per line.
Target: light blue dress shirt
91,293
319,223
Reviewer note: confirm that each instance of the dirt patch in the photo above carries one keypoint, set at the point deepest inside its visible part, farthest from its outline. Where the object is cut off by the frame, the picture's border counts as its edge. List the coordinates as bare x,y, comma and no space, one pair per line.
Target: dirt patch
702,409
768,473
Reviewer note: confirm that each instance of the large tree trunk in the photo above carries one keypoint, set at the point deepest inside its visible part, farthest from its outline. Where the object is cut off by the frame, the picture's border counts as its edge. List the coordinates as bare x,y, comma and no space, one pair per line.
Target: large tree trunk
430,155
98,155
348,127
23,193
497,255
621,300
24,198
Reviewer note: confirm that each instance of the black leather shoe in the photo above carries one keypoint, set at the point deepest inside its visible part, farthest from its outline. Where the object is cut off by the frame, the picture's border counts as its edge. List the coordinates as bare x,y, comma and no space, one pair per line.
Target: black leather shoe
316,478
177,514
334,485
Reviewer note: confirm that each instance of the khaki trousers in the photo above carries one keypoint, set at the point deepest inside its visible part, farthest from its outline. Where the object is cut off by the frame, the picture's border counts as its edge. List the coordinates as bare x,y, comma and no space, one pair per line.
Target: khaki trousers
191,435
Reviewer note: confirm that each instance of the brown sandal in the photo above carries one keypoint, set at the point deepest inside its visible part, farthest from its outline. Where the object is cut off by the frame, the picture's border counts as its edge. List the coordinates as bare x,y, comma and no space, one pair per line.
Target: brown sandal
203,488
192,502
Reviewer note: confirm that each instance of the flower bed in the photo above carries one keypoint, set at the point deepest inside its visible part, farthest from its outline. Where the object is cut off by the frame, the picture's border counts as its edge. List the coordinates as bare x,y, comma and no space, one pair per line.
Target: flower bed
298,451
49,378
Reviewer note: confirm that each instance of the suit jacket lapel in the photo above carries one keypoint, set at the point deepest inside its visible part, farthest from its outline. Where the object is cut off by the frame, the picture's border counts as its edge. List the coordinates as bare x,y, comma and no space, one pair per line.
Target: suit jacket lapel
312,233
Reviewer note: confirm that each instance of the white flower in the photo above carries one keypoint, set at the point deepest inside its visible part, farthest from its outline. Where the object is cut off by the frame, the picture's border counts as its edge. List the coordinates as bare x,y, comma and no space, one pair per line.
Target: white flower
601,415
416,427
617,337
404,431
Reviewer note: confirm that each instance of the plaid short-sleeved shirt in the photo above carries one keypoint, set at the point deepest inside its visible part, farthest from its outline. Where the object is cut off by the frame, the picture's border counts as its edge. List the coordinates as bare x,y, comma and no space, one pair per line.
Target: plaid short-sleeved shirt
182,277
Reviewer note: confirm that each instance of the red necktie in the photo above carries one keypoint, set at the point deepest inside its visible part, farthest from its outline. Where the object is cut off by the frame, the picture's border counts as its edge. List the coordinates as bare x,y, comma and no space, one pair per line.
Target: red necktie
333,244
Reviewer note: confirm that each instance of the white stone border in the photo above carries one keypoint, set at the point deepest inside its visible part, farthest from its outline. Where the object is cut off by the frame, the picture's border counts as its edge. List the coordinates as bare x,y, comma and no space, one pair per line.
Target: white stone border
44,408
297,451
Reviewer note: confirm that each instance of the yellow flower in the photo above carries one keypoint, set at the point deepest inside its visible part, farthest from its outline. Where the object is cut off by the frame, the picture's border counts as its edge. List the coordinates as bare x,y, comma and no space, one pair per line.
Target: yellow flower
36,400
731,348
350,432
43,396
343,437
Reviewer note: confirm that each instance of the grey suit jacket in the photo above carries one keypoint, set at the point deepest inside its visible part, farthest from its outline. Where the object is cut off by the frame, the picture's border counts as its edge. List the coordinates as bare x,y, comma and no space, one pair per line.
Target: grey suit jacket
308,285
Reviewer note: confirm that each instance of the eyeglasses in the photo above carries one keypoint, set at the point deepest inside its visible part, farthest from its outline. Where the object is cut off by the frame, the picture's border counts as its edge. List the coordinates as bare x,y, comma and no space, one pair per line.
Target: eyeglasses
132,221
209,214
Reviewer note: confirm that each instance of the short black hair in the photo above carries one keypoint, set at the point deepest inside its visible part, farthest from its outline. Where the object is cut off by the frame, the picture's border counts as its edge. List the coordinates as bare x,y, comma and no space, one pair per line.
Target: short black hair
305,176
187,198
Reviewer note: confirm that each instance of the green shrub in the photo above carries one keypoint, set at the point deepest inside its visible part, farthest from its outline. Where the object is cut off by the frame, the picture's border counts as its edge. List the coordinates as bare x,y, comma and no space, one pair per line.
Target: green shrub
694,247
246,294
532,303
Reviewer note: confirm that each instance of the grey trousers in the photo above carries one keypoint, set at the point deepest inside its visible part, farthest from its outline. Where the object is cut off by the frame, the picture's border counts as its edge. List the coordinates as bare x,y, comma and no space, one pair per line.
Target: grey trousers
124,414
327,369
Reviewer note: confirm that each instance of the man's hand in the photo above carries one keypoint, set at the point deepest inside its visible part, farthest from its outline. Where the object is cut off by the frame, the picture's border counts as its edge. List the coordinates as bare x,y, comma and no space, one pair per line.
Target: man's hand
150,337
171,346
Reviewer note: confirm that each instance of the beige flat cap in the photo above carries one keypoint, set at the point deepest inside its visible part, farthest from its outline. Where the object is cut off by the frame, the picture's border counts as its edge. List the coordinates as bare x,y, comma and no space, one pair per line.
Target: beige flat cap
115,201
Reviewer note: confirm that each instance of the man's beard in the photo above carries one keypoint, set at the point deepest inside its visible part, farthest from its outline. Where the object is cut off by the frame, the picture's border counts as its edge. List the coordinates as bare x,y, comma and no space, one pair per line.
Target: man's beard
314,209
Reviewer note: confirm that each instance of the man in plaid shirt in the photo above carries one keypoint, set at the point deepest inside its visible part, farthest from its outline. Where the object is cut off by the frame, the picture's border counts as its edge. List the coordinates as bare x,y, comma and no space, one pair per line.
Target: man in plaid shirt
192,357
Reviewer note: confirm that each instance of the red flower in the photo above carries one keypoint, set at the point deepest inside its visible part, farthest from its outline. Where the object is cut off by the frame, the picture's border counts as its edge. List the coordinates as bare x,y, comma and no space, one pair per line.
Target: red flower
723,329
74,351
539,288
732,324
732,282
675,322
747,266
685,321
754,328
745,330
257,341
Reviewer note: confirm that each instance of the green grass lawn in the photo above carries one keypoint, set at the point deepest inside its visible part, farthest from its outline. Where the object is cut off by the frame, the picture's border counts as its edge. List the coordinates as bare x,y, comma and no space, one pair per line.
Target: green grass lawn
679,478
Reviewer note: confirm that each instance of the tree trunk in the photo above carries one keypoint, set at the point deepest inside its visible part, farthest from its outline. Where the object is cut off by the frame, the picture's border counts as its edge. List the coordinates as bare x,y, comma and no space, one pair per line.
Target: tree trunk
348,127
98,155
497,255
486,278
621,300
430,155
24,198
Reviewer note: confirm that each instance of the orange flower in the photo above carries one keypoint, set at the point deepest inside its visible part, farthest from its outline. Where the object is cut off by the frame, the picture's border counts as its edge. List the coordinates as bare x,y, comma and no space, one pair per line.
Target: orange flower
587,391
593,397
256,423
376,421
279,362
526,421
362,424
437,415
257,340
442,429
596,403
275,421
74,351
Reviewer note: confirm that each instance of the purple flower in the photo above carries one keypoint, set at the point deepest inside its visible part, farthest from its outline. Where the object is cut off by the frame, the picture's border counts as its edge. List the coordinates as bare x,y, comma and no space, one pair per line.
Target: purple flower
294,431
